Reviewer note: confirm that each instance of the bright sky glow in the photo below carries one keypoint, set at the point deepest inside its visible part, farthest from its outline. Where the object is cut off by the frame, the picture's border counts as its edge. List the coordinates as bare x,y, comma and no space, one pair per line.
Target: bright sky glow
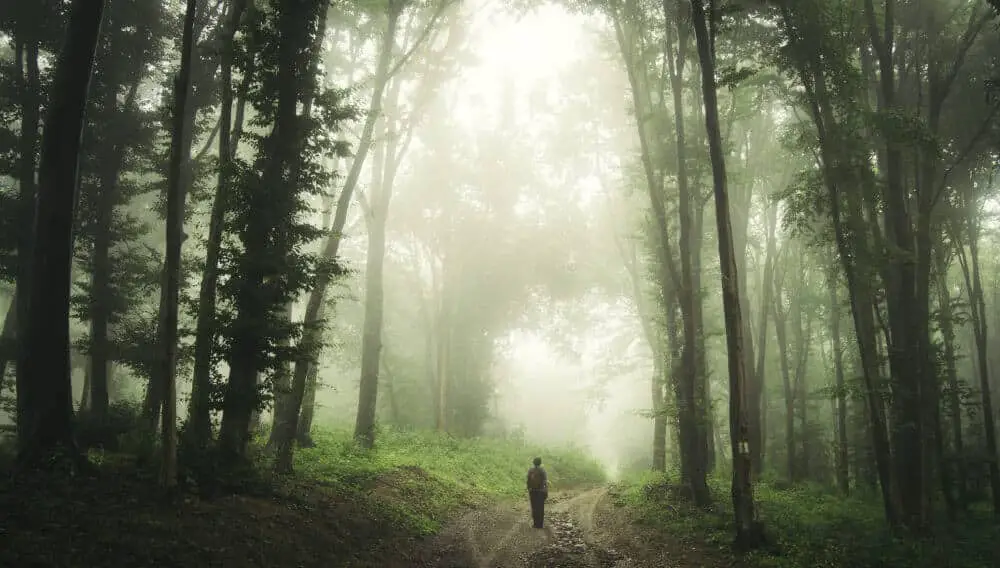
526,52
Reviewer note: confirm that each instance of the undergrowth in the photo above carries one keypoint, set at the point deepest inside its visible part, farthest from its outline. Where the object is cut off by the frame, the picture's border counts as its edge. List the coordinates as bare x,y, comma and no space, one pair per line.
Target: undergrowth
419,478
811,527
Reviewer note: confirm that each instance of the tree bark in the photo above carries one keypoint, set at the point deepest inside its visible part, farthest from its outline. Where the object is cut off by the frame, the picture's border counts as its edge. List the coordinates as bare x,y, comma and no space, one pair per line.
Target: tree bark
45,418
755,396
843,473
693,404
286,428
29,84
199,410
748,530
312,324
180,153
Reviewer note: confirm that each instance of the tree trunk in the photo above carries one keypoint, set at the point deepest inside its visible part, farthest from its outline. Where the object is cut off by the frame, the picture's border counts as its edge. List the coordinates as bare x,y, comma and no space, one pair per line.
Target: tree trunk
286,427
199,410
946,322
364,429
694,416
843,474
246,359
303,432
755,396
180,153
781,336
974,287
303,435
45,418
855,258
803,332
27,27
909,356
312,324
748,530
387,160
101,293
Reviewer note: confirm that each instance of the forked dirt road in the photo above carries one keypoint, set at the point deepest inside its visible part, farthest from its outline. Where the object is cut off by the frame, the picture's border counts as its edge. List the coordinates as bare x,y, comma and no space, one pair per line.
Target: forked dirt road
584,529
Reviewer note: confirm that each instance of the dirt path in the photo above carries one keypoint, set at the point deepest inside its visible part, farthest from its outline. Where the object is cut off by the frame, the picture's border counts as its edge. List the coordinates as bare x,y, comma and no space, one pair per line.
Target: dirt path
583,530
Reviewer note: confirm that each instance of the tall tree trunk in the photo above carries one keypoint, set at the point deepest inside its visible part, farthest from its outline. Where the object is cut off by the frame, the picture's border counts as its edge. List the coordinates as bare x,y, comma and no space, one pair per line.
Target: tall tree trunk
312,324
387,159
246,360
180,153
303,434
947,325
909,356
692,401
974,287
781,336
199,410
286,427
45,418
855,257
102,293
803,333
755,396
27,27
843,473
748,530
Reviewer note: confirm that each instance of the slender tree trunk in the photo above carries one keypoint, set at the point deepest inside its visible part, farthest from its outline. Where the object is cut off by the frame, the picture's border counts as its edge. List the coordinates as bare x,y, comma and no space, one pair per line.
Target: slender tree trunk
45,419
364,429
692,400
312,324
748,530
974,287
781,335
802,343
101,293
758,432
946,322
843,474
27,27
180,153
303,434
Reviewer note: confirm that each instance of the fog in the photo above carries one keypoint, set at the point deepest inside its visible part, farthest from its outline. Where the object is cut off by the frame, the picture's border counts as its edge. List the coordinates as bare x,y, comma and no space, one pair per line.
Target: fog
568,364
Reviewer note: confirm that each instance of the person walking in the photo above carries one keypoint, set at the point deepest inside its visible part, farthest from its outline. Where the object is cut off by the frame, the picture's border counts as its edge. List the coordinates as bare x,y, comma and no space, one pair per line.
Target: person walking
538,492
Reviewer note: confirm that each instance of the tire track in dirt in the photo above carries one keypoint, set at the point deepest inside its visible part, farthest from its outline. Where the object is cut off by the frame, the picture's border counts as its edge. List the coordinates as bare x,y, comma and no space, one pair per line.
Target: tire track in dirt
584,529
502,537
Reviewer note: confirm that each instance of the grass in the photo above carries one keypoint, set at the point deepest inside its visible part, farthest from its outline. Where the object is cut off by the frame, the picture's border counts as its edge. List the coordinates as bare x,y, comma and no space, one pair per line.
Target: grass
812,527
420,478
344,507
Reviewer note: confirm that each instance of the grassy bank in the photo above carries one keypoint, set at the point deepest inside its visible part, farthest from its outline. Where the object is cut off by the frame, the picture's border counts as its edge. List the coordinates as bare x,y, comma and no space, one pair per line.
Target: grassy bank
812,528
344,507
419,478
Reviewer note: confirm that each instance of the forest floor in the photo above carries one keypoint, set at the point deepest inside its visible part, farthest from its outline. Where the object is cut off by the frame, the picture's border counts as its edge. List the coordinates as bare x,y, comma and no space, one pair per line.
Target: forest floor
423,500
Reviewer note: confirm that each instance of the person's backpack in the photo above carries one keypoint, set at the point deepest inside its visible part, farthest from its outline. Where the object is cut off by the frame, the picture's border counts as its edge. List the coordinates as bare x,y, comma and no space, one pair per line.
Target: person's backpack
535,480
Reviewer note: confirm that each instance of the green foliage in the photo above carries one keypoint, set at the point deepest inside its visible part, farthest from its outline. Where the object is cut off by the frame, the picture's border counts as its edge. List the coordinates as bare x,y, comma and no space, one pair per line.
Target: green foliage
115,431
420,477
264,260
811,527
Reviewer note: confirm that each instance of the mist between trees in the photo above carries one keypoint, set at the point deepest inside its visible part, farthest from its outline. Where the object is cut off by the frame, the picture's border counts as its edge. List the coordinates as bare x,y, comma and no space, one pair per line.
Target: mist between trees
755,237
